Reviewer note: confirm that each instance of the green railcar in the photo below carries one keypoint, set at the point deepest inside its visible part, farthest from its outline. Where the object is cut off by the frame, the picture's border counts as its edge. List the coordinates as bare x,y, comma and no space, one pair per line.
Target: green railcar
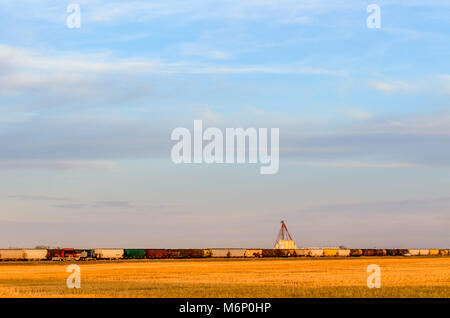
134,253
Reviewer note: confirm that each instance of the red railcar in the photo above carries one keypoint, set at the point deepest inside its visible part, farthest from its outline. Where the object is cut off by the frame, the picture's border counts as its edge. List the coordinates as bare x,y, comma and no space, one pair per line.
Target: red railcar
157,253
369,252
63,254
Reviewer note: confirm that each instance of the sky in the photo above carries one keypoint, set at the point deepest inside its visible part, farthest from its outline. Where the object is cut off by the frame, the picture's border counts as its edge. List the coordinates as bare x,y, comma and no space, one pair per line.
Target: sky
86,116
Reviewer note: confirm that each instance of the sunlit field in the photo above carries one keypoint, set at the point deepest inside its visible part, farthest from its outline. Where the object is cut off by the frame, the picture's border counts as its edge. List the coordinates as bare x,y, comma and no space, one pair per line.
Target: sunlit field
300,277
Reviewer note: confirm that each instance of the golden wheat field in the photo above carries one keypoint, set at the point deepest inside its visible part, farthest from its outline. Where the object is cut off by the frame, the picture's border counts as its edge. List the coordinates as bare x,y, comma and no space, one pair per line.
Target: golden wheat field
301,277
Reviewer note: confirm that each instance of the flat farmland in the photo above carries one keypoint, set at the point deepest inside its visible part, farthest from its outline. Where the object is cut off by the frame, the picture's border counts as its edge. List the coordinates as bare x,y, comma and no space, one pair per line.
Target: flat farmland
296,277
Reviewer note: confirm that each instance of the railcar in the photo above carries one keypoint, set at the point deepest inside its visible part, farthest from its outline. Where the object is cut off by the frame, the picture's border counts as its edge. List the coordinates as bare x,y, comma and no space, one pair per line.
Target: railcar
343,252
108,253
228,252
330,252
34,254
433,252
424,252
316,252
189,253
272,253
414,252
134,253
301,252
443,252
63,254
253,253
86,254
157,253
356,252
369,252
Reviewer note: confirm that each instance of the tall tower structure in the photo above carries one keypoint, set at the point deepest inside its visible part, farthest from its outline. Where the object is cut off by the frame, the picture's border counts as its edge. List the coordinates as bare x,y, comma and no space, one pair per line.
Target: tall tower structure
284,238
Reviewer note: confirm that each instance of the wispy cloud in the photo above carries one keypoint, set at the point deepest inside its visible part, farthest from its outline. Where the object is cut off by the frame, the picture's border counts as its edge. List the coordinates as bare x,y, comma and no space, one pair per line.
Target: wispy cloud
394,86
85,204
17,61
191,49
101,11
90,75
359,164
56,165
28,197
115,204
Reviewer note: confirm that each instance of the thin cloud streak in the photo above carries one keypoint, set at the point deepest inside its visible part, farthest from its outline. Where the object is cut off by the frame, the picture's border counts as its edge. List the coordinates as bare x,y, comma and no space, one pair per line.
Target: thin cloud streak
358,164
16,60
56,164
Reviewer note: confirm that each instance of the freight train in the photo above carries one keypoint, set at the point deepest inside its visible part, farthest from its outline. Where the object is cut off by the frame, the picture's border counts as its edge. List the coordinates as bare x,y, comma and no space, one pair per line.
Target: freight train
71,254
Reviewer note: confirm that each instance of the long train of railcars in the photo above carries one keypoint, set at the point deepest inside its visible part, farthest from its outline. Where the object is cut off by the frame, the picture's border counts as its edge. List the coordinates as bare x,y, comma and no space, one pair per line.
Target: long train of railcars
68,254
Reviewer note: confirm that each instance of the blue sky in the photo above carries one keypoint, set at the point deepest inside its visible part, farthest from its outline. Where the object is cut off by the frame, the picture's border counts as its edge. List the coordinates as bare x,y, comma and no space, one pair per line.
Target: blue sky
86,116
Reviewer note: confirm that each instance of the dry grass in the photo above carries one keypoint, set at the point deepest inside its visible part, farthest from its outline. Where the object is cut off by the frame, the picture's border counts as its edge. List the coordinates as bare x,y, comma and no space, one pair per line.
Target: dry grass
302,277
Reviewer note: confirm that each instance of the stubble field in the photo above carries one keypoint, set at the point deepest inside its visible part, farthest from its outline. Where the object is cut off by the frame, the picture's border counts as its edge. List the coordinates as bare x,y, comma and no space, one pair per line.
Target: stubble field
301,277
